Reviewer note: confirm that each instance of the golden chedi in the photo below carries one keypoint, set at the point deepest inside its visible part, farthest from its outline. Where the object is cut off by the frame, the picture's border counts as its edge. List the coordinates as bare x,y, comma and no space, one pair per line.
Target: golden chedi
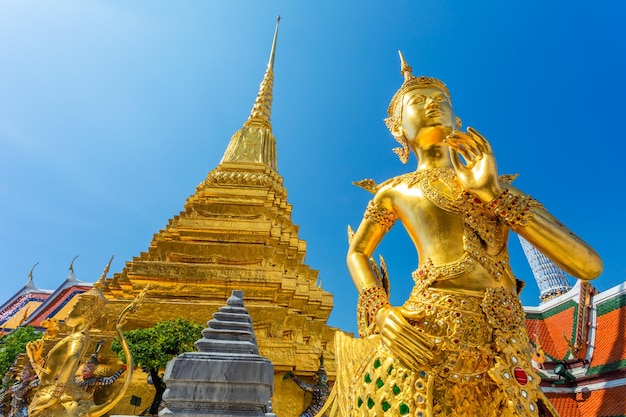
235,233
458,345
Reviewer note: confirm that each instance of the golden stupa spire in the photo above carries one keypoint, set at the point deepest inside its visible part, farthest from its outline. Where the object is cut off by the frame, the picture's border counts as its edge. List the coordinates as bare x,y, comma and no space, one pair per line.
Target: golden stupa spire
261,110
254,142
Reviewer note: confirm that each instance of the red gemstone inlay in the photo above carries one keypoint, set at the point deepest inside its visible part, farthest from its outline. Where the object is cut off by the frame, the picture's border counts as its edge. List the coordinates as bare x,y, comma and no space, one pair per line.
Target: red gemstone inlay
520,375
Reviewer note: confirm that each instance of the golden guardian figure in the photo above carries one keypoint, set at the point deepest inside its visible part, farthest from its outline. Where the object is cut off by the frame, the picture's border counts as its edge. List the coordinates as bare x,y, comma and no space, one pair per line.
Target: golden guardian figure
458,345
59,394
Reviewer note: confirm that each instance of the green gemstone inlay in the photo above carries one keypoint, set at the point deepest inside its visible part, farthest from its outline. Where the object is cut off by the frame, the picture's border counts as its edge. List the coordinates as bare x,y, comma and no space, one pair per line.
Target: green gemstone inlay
377,363
404,409
389,370
396,390
359,402
386,406
379,383
368,378
370,403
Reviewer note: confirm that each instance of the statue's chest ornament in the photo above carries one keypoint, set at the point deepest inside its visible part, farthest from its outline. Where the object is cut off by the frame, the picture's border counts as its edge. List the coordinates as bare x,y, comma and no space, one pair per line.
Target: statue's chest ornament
484,236
442,188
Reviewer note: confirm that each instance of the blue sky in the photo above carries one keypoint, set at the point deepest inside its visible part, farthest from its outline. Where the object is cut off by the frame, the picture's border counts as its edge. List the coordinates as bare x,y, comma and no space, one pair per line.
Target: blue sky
112,112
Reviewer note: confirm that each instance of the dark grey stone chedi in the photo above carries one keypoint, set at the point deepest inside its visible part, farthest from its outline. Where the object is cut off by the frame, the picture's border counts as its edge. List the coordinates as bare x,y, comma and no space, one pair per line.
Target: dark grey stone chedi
227,377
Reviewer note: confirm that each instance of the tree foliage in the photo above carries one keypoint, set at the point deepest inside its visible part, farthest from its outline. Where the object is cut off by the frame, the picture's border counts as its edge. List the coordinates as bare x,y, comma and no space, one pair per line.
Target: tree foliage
154,346
14,343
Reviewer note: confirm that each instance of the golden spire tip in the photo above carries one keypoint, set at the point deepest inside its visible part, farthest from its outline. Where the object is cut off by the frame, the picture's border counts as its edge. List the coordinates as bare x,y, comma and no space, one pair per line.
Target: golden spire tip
270,64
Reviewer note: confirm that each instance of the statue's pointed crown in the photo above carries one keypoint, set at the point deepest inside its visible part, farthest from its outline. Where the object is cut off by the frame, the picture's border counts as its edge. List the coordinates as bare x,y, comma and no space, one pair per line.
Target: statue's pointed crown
412,82
96,290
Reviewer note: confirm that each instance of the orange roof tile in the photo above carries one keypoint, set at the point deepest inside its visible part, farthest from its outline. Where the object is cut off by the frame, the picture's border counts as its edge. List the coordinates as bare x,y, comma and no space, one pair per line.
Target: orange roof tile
550,331
610,340
565,404
609,402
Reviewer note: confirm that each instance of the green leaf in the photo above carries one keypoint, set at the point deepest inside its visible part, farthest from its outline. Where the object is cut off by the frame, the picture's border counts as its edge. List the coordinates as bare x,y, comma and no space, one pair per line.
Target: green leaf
14,344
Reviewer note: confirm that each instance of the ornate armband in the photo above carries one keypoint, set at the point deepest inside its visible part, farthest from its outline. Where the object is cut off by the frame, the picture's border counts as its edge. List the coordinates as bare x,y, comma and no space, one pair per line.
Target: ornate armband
380,215
370,301
513,209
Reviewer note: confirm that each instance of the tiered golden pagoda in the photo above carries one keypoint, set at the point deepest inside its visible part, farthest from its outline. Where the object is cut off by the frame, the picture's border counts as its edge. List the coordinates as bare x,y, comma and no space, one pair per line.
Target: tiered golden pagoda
236,233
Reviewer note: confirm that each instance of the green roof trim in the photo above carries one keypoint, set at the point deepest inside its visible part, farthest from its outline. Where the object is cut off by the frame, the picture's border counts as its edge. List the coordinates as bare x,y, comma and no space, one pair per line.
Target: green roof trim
607,367
553,311
611,304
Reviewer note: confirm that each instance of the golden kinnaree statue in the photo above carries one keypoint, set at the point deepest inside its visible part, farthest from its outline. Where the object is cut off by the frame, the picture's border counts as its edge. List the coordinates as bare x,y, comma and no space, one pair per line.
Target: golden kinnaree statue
458,345
58,394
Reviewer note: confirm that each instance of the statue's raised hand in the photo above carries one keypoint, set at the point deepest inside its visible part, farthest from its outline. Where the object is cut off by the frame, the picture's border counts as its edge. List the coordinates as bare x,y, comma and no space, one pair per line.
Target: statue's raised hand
479,173
410,345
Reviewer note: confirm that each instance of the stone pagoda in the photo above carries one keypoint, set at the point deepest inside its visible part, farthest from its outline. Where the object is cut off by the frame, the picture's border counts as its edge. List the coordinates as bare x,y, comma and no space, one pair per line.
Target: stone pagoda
236,233
227,377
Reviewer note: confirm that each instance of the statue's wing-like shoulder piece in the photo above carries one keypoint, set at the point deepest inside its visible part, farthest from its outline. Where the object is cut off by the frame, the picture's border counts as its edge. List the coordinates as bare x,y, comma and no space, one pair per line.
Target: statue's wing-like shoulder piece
371,186
368,185
508,178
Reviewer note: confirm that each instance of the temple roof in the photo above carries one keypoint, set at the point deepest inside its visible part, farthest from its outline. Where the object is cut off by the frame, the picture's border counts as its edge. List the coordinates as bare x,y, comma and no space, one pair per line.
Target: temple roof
584,331
63,295
28,298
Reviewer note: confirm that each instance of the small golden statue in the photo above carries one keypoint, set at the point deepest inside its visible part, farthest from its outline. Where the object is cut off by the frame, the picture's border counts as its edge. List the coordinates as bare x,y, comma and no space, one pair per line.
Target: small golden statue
58,393
458,345
51,325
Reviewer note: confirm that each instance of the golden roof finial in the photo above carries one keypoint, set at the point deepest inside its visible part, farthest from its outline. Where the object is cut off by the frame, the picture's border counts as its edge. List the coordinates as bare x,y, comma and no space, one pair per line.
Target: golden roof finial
261,110
30,274
71,268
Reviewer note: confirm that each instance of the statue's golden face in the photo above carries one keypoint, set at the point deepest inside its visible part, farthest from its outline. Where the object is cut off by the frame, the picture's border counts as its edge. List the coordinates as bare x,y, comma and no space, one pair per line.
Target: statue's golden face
425,107
76,315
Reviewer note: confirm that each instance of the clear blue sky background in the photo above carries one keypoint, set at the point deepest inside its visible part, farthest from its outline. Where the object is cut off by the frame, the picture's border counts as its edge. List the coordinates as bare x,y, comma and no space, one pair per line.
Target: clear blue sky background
112,112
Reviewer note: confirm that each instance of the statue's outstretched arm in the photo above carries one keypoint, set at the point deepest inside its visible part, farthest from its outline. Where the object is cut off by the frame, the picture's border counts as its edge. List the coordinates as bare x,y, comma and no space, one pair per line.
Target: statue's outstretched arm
303,385
556,241
479,175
